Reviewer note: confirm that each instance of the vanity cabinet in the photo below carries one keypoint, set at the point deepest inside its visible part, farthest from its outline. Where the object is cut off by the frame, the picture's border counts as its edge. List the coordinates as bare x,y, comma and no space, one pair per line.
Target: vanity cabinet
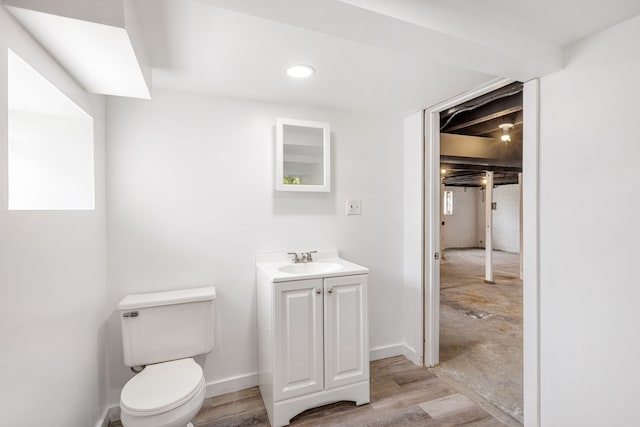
298,362
313,343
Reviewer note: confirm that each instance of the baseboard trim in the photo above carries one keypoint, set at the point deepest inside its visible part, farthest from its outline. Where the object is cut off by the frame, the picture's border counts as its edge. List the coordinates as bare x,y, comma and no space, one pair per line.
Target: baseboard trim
386,351
110,415
214,388
241,382
104,420
412,355
227,385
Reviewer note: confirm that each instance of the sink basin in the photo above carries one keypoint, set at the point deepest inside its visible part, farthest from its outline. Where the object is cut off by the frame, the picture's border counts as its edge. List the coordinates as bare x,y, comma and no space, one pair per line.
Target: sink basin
277,268
314,267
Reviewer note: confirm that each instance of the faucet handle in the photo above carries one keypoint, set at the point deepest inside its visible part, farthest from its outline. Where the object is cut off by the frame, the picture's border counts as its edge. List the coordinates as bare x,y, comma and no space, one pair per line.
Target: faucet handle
308,255
295,258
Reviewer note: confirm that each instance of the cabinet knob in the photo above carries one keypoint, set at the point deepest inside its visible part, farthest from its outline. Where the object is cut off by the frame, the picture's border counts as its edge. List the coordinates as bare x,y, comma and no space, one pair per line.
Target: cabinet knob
318,291
330,291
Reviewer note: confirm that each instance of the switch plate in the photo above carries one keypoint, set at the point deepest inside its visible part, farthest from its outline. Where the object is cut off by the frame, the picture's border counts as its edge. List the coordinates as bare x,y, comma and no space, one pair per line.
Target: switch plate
353,207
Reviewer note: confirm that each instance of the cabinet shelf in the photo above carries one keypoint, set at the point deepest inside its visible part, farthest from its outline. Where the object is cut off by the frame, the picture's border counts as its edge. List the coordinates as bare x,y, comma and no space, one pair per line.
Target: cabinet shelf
302,159
303,148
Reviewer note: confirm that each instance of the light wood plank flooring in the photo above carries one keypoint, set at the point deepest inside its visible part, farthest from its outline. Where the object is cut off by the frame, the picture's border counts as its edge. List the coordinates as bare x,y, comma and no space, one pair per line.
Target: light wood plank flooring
402,394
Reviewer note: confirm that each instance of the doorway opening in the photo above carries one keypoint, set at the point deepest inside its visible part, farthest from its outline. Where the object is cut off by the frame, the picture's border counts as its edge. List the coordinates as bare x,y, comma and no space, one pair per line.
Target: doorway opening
480,283
475,224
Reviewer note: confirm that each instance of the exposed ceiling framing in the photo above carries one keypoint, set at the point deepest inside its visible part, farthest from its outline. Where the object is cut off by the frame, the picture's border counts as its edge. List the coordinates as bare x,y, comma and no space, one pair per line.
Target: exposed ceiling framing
481,117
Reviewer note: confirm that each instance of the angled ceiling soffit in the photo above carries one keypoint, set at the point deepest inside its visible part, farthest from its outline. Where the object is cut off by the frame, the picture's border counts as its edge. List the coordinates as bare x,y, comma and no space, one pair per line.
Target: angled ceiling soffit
97,42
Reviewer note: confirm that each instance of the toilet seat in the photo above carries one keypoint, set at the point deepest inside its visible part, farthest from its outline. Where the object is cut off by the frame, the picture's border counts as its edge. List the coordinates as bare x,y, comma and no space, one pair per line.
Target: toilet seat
162,387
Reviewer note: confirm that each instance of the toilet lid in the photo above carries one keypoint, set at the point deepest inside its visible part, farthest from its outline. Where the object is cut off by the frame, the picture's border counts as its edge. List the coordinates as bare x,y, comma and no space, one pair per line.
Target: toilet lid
162,387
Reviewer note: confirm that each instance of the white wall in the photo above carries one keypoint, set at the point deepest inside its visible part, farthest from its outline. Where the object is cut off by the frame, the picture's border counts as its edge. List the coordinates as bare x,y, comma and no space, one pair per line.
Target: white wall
460,227
412,235
465,228
52,282
191,201
589,289
480,219
50,144
506,219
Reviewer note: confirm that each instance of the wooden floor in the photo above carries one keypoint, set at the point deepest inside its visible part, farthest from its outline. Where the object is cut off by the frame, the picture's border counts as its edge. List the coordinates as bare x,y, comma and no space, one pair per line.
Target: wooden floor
402,394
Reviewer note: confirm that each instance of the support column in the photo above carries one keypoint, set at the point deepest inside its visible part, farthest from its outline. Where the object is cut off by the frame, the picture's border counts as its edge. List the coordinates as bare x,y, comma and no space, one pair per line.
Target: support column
488,241
521,234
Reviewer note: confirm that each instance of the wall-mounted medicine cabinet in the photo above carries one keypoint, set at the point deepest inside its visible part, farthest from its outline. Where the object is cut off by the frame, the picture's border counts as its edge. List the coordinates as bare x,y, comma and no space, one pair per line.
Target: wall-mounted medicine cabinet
303,155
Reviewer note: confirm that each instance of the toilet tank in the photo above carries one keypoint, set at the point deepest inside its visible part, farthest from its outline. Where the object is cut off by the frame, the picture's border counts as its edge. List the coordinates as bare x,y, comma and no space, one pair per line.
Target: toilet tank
162,326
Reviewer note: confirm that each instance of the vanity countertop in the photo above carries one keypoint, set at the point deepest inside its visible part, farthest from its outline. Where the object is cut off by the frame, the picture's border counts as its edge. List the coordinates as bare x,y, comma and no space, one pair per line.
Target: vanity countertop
327,263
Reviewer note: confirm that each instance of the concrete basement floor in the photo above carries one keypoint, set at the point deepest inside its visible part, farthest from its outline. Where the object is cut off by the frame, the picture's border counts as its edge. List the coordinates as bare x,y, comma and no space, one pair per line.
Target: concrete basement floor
481,327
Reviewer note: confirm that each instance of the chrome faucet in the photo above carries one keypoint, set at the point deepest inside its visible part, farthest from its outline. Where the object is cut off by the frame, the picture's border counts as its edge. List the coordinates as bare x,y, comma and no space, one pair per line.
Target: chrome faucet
296,259
306,256
303,257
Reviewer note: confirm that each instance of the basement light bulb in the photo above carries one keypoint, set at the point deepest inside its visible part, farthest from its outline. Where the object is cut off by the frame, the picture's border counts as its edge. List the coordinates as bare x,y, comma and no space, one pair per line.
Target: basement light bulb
300,71
505,137
443,171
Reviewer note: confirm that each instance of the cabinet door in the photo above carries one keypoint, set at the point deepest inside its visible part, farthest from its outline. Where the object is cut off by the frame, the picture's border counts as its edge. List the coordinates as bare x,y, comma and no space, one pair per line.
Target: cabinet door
298,352
346,330
303,155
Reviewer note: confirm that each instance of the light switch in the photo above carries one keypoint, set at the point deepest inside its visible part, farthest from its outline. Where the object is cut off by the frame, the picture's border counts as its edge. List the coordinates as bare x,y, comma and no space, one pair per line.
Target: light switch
353,207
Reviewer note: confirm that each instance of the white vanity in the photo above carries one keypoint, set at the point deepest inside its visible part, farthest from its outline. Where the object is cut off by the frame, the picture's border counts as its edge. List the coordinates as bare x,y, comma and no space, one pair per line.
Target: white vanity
313,335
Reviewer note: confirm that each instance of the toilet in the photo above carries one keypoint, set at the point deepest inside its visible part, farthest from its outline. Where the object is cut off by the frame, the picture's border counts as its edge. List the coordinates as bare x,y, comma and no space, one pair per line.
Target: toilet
161,333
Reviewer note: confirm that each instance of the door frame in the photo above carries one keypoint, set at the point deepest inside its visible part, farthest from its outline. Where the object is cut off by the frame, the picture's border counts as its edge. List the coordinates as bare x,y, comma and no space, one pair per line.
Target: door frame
530,210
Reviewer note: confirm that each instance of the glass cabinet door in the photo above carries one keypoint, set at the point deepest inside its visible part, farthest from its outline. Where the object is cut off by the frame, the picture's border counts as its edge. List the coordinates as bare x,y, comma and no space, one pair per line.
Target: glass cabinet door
302,156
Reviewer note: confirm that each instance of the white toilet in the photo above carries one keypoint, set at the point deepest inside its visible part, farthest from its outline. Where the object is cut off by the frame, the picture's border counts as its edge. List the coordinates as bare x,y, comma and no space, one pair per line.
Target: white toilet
162,331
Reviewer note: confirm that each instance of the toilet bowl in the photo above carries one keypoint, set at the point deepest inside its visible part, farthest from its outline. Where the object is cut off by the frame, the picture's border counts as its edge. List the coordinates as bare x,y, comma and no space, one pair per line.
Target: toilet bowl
167,394
162,331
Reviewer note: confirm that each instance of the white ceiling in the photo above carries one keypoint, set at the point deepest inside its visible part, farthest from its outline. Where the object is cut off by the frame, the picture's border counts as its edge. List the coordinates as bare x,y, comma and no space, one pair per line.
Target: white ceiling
370,55
197,47
559,21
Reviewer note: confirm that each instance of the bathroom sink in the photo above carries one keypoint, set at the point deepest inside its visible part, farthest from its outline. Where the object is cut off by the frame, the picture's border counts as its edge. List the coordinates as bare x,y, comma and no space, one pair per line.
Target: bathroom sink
278,267
314,267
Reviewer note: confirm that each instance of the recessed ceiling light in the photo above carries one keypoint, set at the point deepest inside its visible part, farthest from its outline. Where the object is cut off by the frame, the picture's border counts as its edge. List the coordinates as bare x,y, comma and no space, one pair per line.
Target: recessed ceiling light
300,71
